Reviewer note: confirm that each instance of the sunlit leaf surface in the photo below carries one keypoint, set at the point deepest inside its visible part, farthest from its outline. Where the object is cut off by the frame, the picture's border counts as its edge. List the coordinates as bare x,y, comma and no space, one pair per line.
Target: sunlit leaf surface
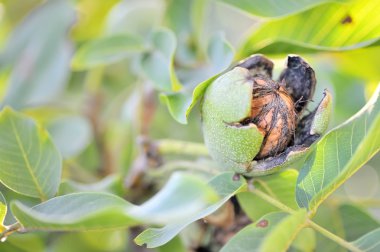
329,27
339,154
276,8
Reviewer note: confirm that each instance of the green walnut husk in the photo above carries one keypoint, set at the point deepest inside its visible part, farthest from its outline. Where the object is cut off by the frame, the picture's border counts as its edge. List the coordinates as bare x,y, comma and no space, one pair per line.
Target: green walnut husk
234,145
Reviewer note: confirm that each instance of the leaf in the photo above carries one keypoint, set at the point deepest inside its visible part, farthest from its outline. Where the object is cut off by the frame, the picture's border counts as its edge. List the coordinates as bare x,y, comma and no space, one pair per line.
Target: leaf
29,242
178,17
280,186
110,184
273,232
329,27
348,63
105,51
91,18
220,54
278,8
30,163
328,217
181,104
178,104
3,212
339,154
138,18
158,65
174,245
94,241
356,221
305,241
109,240
369,242
183,195
199,91
78,211
39,52
225,187
71,134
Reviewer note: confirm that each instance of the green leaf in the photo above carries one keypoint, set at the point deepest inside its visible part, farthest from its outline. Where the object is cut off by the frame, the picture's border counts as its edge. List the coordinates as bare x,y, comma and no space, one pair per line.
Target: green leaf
348,63
273,232
29,242
106,51
369,242
30,163
39,52
277,8
356,221
225,187
91,241
305,241
339,154
280,186
158,65
181,197
199,91
138,18
3,212
329,27
108,240
79,211
220,53
110,184
178,104
91,19
71,134
174,245
181,104
328,217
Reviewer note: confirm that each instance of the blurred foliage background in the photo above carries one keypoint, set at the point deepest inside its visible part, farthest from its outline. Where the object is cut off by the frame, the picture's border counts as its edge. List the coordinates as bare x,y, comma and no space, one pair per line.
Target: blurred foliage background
94,71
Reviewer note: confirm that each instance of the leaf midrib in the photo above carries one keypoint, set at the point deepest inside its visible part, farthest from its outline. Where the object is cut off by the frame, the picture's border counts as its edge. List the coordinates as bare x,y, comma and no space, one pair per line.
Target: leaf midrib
26,160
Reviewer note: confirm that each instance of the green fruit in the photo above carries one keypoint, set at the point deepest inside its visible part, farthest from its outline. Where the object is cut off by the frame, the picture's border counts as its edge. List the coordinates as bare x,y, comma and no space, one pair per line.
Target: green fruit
226,103
235,138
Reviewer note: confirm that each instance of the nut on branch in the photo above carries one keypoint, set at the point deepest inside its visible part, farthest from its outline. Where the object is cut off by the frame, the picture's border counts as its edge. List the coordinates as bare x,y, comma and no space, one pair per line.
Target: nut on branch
254,124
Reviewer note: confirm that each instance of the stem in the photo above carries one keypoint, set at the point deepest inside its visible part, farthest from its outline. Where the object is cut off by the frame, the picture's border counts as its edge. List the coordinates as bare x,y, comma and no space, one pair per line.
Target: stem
272,201
169,146
310,223
10,229
333,237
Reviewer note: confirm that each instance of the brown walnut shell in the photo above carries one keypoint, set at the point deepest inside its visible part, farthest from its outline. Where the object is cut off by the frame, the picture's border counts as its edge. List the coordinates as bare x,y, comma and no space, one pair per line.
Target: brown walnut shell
272,110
